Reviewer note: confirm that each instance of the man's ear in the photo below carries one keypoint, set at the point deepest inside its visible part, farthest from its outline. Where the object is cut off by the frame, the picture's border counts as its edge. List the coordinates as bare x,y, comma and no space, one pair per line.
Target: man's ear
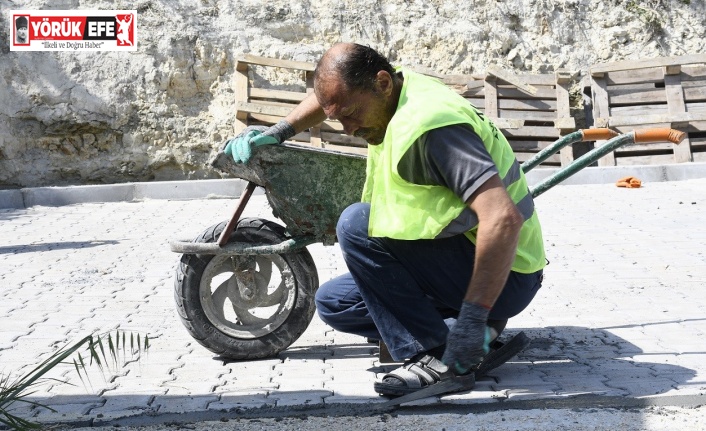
383,83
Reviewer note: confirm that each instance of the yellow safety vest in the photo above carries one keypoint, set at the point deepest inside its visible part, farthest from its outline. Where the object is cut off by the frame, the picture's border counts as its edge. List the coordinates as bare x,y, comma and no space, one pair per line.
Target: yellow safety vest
403,210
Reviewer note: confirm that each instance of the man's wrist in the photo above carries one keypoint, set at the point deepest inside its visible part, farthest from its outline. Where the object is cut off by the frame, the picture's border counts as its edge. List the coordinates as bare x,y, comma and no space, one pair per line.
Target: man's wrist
474,311
281,131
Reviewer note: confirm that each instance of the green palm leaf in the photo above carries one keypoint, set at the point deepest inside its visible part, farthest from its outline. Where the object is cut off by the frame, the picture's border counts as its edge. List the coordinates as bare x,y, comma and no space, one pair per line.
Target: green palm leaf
17,391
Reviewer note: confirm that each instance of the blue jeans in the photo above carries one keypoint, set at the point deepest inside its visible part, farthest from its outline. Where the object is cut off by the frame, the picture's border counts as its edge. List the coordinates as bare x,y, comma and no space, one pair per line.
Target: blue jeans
401,291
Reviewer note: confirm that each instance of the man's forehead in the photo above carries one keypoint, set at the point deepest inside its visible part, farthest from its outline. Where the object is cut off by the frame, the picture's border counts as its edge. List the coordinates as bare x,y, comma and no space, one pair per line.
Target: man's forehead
331,90
331,94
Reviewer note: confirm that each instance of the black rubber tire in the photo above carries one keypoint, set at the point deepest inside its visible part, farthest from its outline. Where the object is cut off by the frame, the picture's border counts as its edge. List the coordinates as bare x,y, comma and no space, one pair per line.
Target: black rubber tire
188,300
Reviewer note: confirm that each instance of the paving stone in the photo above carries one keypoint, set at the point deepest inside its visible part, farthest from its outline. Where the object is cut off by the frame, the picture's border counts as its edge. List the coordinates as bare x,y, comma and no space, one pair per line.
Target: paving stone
343,390
615,316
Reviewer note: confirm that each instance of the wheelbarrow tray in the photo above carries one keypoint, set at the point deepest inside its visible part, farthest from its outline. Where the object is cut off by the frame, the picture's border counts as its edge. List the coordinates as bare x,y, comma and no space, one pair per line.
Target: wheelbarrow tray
307,188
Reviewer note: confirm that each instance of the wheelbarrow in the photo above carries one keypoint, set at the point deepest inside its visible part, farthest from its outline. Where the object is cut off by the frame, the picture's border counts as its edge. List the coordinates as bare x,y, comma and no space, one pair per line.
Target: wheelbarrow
244,288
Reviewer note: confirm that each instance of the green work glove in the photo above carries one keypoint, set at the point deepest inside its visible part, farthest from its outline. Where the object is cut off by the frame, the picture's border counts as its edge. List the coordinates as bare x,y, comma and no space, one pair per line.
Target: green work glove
468,339
240,147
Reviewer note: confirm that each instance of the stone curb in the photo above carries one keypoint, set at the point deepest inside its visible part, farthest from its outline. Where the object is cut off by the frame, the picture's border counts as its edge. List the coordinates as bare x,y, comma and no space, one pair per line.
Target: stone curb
230,188
127,192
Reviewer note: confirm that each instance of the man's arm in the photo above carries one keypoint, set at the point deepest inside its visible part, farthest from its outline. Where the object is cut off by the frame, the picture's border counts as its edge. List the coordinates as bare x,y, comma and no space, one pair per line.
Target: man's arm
307,114
499,224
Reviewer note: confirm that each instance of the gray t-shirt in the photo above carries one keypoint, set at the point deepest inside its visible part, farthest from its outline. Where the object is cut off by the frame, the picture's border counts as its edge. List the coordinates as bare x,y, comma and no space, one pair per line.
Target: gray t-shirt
453,157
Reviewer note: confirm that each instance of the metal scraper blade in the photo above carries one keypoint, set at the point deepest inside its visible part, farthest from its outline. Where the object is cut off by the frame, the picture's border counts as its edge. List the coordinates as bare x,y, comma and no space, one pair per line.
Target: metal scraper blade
445,386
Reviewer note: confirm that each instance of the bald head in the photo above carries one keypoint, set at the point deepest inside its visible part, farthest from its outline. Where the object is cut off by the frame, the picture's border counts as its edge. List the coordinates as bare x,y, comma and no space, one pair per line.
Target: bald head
356,66
357,86
332,61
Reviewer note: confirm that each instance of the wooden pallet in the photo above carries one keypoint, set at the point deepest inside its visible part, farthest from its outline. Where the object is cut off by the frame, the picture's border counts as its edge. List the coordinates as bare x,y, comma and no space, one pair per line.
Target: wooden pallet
660,92
260,105
531,110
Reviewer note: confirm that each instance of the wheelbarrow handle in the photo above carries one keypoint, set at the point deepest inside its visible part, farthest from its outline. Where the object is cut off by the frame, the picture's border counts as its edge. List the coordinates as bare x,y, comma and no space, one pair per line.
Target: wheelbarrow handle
599,134
636,136
571,138
662,134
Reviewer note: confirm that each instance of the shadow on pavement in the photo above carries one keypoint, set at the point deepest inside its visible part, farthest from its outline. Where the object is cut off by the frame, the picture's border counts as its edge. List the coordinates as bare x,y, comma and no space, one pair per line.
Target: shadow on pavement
574,360
563,367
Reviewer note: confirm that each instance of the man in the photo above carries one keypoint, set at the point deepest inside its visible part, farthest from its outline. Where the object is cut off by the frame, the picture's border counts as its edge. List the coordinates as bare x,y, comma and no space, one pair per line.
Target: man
21,31
446,227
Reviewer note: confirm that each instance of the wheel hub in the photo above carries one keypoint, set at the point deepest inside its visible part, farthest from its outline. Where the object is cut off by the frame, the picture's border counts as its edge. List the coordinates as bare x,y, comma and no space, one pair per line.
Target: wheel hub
247,296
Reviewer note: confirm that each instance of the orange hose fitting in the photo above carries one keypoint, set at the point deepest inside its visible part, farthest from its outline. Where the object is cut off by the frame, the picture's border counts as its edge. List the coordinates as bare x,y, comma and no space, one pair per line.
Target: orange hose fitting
600,134
659,135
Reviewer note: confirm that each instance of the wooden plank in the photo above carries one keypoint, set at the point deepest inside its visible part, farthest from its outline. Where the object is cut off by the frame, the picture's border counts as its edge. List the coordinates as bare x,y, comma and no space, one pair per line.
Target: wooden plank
693,72
347,149
514,93
526,145
600,69
549,116
241,96
505,91
474,91
343,139
289,105
696,106
478,103
273,62
539,105
460,80
545,79
266,119
631,97
508,123
531,132
695,94
690,76
491,97
645,148
634,76
553,160
259,108
635,110
677,106
543,92
632,120
511,78
261,93
601,109
672,69
656,159
563,124
635,87
698,144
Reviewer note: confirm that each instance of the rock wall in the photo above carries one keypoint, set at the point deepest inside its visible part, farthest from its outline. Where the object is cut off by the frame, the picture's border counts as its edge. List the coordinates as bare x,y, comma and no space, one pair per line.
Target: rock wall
158,113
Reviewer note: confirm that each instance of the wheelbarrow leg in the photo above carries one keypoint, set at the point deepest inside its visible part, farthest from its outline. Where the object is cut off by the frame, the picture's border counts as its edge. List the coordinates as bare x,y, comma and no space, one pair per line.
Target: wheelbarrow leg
244,198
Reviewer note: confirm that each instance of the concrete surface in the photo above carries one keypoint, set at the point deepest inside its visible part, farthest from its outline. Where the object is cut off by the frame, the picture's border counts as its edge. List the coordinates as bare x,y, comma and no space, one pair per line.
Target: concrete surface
617,330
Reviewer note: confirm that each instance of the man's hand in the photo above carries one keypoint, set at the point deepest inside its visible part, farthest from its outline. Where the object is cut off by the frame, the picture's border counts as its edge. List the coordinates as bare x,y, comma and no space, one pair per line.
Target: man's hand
240,147
468,339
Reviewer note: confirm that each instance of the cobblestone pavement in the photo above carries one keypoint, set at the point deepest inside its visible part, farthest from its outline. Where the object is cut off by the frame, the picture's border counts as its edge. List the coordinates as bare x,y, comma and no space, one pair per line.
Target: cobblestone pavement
620,320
